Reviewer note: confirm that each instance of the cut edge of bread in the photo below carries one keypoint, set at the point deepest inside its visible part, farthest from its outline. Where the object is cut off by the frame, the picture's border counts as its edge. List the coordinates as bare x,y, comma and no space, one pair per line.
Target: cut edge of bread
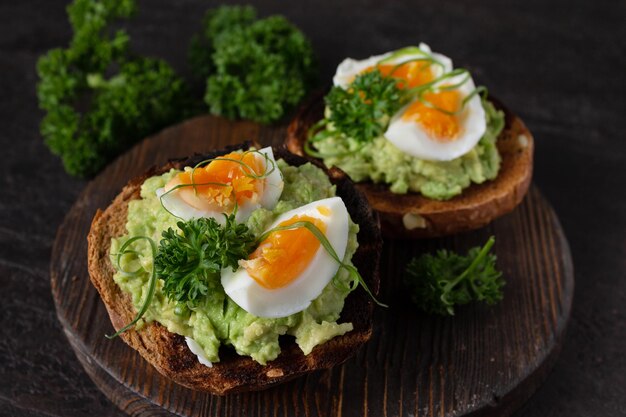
412,215
168,352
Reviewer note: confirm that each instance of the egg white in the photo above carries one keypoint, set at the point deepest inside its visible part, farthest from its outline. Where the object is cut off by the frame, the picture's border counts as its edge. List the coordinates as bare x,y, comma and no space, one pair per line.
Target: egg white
349,68
197,350
269,196
412,139
297,295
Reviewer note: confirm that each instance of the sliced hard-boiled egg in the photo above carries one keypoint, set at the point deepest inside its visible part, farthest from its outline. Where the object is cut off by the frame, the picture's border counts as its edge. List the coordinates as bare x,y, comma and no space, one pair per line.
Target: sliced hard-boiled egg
445,124
245,181
290,268
414,65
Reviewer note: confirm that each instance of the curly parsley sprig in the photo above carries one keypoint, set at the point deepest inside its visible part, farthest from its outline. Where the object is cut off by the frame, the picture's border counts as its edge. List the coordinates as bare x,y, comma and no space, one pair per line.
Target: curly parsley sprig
99,96
187,261
439,282
253,68
363,111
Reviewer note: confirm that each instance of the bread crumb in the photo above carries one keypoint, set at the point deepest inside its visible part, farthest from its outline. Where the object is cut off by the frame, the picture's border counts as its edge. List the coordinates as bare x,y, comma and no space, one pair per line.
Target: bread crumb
523,140
274,373
413,221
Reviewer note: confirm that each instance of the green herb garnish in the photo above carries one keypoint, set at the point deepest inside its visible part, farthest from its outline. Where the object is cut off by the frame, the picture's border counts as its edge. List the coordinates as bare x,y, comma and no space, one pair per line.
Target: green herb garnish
99,97
254,69
363,111
189,259
439,282
125,249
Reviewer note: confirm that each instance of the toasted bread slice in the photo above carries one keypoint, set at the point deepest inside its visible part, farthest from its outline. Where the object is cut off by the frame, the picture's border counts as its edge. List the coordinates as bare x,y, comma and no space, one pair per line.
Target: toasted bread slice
169,353
415,216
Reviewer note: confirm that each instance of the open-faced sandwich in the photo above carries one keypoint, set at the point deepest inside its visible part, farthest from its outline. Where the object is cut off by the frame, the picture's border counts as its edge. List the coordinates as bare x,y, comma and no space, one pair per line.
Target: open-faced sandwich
236,270
433,154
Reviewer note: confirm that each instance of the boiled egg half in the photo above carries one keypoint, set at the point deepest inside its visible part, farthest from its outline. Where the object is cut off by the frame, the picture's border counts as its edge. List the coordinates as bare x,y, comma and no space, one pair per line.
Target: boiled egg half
290,268
243,181
445,124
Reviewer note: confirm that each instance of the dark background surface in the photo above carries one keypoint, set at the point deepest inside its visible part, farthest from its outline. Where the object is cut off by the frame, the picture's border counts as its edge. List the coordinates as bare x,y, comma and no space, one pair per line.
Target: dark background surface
559,65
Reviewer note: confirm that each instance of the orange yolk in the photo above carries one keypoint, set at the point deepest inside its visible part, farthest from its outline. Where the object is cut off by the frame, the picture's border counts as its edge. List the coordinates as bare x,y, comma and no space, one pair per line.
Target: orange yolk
285,254
238,184
437,124
412,74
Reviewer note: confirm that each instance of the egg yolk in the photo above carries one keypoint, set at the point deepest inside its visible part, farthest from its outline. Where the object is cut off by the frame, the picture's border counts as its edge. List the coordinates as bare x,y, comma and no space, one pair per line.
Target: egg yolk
284,254
437,124
222,182
412,74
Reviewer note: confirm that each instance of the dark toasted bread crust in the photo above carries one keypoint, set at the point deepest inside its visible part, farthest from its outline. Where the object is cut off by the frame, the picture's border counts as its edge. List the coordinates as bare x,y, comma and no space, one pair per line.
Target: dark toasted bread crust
168,352
475,207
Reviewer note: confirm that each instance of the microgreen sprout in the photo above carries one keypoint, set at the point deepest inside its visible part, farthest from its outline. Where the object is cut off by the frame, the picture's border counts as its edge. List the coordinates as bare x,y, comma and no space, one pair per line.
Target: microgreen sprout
152,282
247,169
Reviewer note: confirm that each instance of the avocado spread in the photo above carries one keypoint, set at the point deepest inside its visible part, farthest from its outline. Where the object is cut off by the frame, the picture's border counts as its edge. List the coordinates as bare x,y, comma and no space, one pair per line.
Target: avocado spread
218,320
381,162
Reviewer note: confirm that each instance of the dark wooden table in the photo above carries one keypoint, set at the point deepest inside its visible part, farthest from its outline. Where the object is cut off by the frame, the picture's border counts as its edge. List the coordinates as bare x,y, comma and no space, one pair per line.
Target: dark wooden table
559,65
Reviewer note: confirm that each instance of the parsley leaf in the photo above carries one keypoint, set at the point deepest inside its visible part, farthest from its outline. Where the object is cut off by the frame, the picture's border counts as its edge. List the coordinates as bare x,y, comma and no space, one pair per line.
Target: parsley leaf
438,283
215,23
189,261
99,97
363,111
254,69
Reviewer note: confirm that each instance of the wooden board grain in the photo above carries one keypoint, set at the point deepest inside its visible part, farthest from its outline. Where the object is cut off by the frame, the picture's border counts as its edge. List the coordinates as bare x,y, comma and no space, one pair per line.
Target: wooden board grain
484,361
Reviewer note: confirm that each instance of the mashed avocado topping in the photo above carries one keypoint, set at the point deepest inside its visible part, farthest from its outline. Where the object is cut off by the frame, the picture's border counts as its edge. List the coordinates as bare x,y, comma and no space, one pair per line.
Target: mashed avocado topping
381,162
217,320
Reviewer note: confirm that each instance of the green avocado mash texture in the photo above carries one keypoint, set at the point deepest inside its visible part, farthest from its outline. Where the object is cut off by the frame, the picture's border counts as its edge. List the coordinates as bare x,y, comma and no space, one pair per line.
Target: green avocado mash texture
380,161
218,320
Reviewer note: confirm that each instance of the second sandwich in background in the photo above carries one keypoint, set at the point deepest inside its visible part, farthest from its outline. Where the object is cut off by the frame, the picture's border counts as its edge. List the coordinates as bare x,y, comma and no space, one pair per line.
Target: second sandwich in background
431,151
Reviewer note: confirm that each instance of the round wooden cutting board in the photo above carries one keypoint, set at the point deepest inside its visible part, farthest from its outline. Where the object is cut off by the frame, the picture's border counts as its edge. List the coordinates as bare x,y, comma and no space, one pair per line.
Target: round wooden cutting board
484,361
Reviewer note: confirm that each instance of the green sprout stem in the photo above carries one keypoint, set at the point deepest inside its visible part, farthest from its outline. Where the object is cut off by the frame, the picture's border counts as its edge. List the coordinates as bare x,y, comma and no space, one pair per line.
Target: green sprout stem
195,185
319,235
151,286
479,258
